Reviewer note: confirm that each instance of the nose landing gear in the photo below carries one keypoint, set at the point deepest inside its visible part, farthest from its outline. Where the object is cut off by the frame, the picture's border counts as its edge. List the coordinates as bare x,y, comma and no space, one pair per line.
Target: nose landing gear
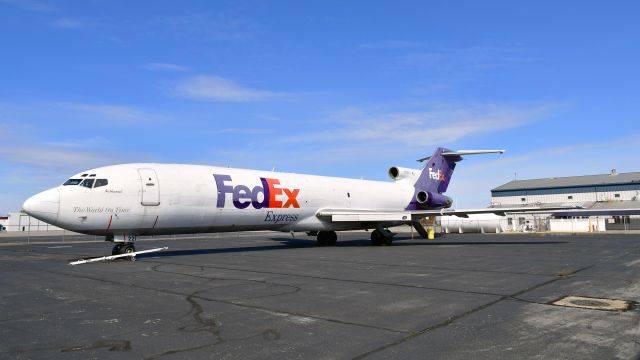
123,248
124,244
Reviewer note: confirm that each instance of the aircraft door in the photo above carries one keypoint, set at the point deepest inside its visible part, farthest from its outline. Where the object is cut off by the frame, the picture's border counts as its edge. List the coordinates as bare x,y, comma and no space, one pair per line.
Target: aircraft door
150,187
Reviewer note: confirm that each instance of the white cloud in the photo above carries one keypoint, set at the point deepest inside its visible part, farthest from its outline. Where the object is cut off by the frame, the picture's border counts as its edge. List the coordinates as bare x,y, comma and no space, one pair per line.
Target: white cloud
213,88
422,55
30,165
33,159
31,5
240,131
444,68
117,113
17,148
392,45
207,26
94,141
68,23
164,67
420,129
468,59
49,156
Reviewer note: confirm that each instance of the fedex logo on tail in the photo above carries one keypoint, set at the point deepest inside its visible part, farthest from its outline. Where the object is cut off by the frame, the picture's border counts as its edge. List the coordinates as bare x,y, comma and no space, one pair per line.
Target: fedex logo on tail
273,195
436,175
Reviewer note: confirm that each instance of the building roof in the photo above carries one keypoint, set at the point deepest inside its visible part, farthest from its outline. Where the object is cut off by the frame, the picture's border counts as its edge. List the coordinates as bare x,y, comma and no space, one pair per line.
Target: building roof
572,181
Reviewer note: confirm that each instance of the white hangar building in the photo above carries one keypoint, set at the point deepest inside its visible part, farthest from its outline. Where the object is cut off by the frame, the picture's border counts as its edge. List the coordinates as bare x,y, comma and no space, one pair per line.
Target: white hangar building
18,221
609,202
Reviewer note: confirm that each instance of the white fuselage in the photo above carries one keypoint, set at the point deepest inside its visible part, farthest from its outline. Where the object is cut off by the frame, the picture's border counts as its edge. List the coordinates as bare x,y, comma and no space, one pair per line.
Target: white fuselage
146,199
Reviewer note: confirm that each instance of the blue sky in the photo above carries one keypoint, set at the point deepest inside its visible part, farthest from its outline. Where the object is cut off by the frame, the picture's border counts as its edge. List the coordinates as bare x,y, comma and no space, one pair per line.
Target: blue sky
322,87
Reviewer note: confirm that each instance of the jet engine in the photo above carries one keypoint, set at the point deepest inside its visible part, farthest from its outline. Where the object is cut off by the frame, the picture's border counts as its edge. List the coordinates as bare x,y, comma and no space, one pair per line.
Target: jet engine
433,200
399,173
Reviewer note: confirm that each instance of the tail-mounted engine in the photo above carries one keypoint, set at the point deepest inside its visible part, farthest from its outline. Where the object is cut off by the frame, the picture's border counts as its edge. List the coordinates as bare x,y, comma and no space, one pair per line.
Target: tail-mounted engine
432,200
400,173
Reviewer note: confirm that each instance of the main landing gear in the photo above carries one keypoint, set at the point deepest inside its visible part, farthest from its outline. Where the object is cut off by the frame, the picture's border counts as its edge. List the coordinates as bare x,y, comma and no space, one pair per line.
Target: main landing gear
327,238
123,248
378,237
381,237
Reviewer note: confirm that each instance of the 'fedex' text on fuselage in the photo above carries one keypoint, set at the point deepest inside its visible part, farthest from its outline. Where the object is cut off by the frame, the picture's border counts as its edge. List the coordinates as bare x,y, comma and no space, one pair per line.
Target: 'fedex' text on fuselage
243,196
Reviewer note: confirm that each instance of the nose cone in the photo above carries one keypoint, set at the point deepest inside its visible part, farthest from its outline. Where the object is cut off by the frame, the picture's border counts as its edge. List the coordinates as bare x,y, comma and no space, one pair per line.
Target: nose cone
44,206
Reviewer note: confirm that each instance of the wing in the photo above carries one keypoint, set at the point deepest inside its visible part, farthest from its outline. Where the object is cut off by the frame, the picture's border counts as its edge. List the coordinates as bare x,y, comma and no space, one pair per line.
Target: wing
338,215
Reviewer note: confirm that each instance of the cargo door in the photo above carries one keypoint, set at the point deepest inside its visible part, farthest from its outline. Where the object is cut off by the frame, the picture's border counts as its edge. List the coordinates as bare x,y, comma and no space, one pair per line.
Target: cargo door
150,187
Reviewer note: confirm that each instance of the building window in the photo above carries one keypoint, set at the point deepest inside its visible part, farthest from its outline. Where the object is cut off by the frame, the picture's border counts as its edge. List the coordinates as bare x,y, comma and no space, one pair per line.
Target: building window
523,199
521,221
621,219
509,221
570,197
616,195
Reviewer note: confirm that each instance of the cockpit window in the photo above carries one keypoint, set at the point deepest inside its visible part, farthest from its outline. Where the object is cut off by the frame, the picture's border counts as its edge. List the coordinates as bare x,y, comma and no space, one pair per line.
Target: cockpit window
101,182
87,183
72,182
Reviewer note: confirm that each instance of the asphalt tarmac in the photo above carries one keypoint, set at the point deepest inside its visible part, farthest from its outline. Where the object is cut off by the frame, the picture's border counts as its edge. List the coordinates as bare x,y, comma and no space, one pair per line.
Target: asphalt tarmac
271,296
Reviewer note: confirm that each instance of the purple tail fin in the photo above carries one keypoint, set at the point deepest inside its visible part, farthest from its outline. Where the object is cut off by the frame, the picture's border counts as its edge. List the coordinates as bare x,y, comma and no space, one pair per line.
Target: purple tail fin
434,180
435,177
437,172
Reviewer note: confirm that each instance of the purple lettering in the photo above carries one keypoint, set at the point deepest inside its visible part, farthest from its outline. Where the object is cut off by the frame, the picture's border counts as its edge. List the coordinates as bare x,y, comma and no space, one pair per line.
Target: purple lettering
241,192
264,189
243,196
223,190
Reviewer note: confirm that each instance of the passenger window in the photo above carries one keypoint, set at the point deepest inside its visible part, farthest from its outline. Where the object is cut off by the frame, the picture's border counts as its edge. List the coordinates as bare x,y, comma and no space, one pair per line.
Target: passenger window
72,182
88,183
101,182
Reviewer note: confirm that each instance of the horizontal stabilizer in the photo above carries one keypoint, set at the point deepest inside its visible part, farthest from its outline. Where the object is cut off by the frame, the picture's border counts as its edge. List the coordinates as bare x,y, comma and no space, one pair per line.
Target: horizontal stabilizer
464,152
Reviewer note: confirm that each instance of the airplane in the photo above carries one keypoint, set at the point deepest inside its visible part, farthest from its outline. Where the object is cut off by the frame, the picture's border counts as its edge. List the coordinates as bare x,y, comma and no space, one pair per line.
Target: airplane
122,202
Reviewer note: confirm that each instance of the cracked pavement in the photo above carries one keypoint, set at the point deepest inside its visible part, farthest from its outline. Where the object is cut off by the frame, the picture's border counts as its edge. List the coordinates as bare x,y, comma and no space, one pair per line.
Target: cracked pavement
270,296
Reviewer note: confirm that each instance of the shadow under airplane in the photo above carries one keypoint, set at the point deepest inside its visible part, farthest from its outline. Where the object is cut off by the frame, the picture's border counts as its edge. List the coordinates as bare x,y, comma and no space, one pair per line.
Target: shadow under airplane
288,243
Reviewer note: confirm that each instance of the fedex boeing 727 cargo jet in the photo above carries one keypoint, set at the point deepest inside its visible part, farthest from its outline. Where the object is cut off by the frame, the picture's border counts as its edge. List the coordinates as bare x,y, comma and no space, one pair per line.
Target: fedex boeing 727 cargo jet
122,202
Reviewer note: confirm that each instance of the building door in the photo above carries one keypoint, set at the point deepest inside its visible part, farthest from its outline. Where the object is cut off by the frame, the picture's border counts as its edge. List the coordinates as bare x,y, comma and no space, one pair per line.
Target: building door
150,187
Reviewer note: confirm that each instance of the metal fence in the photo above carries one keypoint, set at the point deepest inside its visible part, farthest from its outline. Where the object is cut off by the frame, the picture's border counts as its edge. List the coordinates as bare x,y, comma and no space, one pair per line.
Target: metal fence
40,226
64,236
623,223
41,233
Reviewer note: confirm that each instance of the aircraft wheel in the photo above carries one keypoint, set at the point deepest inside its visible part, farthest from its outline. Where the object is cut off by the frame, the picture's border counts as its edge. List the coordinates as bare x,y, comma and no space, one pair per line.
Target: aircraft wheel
127,249
333,238
327,238
322,239
116,249
378,238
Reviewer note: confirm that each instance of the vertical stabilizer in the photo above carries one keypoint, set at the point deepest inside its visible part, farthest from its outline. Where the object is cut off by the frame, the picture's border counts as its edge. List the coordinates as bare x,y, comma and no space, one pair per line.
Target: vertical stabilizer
435,176
437,171
434,180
